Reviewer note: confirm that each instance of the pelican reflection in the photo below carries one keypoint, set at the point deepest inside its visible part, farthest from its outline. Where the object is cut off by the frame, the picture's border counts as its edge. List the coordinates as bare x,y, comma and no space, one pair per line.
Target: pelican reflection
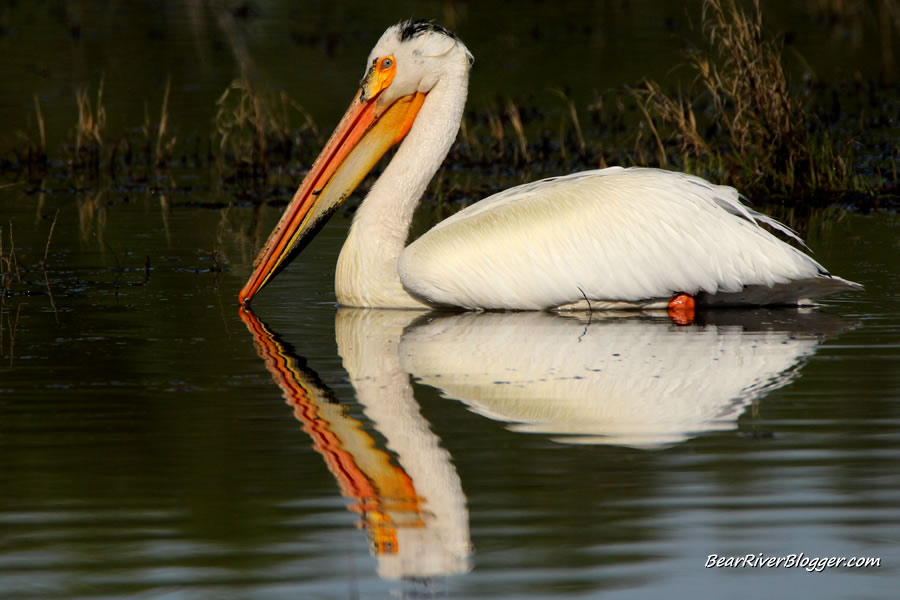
594,379
579,378
413,509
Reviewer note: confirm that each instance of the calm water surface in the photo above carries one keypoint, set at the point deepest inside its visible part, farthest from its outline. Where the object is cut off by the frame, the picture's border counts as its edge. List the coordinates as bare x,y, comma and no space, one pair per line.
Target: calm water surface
157,442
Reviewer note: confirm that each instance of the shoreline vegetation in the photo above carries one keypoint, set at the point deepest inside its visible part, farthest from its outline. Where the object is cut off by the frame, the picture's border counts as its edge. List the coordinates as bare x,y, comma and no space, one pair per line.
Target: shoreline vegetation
740,122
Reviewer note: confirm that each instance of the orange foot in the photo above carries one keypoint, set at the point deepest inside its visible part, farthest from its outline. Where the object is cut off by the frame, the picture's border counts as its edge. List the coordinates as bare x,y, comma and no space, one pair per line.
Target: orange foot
681,309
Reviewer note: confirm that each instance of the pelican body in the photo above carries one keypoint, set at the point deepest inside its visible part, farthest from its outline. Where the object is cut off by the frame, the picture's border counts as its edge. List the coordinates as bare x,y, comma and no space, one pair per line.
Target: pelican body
611,238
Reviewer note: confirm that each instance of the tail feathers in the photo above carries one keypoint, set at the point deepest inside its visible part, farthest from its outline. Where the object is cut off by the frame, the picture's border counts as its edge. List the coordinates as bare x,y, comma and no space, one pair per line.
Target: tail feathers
800,292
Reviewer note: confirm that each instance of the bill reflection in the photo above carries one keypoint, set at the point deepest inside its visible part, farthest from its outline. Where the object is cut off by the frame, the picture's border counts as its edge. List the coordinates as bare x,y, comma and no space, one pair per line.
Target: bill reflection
412,506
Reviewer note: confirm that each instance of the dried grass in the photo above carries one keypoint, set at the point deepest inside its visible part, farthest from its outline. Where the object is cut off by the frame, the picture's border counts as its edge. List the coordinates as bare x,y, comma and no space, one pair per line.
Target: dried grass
254,126
89,129
515,120
576,124
9,274
164,144
756,129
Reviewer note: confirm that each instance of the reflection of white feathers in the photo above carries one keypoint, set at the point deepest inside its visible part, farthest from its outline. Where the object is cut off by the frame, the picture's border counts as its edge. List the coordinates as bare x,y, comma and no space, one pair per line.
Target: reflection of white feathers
617,381
367,341
603,380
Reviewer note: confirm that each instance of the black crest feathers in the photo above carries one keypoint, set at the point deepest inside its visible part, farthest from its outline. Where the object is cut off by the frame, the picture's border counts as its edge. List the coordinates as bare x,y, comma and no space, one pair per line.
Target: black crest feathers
411,29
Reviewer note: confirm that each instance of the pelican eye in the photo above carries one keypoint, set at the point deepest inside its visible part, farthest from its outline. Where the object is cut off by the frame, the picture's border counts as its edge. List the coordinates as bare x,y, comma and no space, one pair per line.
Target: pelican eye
387,63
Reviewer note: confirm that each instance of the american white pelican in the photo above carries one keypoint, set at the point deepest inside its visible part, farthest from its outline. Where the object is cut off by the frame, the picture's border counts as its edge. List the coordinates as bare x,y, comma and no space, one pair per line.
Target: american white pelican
610,238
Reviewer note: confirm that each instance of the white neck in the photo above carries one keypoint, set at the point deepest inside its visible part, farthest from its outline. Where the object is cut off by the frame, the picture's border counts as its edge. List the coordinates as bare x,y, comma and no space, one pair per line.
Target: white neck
367,267
368,342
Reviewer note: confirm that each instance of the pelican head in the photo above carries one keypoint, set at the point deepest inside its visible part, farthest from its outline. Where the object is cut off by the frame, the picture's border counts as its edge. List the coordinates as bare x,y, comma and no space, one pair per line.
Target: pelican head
406,65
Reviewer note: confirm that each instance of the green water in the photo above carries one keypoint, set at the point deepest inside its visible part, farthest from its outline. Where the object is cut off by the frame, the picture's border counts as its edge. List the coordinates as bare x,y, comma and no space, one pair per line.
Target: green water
158,443
148,449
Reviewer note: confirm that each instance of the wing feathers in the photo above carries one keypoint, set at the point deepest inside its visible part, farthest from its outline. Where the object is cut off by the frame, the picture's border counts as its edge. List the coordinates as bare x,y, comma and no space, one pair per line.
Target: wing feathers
615,234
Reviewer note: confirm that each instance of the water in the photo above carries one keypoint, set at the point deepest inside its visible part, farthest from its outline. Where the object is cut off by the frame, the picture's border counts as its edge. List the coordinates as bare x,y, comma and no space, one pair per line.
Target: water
158,442
150,448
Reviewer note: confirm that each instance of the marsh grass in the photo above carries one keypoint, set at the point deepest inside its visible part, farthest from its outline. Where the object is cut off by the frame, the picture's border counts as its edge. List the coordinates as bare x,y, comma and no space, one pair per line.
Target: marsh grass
253,129
31,150
43,266
515,121
12,264
572,111
165,142
470,142
739,122
10,274
89,129
501,134
753,132
497,131
43,263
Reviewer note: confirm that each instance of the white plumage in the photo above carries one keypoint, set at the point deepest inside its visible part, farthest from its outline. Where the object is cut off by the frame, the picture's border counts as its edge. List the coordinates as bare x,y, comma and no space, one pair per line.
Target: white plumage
611,238
608,380
623,236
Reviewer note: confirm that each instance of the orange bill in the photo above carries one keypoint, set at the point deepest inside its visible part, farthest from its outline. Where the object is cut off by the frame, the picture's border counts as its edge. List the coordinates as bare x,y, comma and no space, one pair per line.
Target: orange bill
363,136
